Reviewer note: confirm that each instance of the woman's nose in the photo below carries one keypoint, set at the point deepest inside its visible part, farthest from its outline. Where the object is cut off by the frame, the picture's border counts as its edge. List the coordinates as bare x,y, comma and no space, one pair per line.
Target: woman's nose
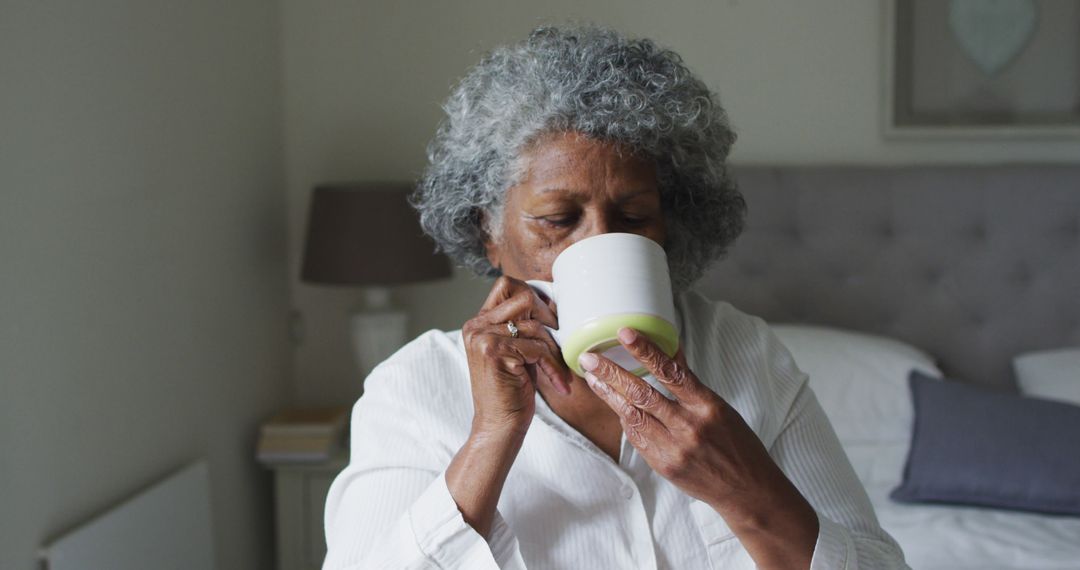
599,225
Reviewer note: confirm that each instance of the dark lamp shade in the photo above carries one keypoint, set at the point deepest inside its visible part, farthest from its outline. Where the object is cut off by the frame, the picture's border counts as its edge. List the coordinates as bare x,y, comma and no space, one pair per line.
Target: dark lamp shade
366,233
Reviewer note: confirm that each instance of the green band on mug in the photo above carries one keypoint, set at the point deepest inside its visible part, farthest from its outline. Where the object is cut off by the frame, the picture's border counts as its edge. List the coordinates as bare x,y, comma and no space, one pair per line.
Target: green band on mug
602,333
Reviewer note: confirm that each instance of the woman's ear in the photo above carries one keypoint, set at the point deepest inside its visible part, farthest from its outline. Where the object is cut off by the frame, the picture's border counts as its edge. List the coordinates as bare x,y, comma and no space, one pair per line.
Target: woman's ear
491,249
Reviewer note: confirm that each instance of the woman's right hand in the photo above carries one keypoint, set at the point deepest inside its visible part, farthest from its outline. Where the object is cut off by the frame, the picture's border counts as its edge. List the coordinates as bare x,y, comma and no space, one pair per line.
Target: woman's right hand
504,370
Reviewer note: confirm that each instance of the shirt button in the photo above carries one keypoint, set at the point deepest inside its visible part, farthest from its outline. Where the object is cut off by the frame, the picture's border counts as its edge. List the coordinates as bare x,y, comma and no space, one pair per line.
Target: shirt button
627,492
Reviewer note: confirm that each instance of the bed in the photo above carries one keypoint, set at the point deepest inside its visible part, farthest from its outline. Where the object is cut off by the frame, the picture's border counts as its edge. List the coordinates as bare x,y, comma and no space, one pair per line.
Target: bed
867,273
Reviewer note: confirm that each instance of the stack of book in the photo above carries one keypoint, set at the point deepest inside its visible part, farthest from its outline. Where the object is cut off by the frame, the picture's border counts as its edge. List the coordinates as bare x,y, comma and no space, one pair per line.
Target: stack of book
303,435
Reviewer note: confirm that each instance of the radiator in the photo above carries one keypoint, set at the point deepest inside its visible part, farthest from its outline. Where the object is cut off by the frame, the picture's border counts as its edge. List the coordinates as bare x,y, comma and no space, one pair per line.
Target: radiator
165,527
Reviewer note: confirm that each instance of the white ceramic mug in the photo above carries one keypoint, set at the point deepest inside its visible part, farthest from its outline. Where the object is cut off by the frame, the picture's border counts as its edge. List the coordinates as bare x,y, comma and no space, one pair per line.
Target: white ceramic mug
606,282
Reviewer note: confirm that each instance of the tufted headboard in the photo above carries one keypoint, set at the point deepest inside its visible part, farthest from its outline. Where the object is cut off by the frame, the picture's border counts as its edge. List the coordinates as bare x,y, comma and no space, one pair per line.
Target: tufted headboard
973,264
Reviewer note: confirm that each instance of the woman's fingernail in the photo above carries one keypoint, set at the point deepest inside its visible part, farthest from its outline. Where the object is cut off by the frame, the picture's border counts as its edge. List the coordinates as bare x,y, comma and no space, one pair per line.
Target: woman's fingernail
562,388
595,382
627,335
588,360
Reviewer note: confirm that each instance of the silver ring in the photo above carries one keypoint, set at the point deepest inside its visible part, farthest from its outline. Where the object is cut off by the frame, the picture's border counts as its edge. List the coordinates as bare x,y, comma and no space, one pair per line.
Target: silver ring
512,328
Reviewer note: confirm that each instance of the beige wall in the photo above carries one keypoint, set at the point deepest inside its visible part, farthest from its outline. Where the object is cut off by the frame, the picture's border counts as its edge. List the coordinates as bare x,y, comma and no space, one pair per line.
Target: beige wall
143,297
143,294
363,81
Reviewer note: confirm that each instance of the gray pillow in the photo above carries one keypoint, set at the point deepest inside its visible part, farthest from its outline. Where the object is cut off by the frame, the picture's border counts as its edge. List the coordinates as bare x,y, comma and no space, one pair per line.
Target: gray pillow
979,446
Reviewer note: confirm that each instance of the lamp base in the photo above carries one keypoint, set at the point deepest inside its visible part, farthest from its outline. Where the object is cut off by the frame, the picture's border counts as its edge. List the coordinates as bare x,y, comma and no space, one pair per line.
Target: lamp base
377,332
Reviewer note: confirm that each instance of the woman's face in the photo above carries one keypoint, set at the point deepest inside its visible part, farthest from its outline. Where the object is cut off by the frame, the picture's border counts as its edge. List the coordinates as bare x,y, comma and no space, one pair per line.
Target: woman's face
573,187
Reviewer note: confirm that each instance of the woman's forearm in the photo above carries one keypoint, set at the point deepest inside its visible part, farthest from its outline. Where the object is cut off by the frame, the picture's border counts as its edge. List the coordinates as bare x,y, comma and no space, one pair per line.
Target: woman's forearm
778,531
476,475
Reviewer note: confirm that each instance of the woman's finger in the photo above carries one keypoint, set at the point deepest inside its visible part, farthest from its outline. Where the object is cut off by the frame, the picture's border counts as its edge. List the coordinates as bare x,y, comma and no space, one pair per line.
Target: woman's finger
632,388
641,427
672,372
500,291
535,329
516,353
523,303
529,328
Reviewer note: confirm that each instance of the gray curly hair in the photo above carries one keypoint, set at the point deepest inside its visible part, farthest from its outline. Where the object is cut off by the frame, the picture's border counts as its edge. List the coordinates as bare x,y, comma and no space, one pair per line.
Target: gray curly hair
591,80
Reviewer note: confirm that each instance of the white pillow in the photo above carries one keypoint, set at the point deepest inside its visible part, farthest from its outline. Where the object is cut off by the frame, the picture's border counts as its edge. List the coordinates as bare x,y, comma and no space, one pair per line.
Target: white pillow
860,379
1050,374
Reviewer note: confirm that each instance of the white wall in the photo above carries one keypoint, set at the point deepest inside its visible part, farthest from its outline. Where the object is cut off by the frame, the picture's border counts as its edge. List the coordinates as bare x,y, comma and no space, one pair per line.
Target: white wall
143,297
363,81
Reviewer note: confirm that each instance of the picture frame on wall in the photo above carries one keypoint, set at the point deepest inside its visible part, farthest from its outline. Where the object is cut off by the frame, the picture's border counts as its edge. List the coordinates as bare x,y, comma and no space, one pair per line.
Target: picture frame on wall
981,68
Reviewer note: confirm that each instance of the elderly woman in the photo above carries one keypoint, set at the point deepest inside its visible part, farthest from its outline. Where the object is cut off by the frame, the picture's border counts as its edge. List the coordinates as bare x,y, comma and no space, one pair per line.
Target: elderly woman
479,448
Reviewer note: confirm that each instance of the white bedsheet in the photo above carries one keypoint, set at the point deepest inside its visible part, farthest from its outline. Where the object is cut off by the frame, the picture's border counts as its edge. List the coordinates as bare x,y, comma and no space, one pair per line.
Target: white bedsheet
953,538
946,537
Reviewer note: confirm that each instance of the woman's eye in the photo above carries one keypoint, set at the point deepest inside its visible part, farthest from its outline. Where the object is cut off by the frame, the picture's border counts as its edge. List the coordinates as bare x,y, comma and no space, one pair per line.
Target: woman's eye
559,221
635,220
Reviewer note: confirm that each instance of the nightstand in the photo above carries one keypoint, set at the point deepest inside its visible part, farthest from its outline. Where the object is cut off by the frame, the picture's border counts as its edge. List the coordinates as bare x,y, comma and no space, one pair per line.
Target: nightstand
299,498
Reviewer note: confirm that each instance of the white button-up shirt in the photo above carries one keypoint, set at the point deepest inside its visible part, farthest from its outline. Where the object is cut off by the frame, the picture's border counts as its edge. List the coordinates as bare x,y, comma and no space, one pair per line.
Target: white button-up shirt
566,504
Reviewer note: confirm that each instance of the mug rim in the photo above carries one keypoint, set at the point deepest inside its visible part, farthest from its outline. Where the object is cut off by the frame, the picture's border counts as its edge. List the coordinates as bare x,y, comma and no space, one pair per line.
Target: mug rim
608,235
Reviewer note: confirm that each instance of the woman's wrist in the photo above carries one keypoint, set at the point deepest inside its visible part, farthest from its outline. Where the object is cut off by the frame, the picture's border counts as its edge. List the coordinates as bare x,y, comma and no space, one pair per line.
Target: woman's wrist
779,528
478,471
500,432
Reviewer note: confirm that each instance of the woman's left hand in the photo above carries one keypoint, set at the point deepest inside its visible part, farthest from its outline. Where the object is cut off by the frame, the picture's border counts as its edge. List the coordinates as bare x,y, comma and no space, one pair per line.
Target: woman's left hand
701,444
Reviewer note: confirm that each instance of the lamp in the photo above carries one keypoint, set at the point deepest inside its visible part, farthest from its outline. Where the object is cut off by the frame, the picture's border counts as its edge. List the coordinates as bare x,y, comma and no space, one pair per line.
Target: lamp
366,234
